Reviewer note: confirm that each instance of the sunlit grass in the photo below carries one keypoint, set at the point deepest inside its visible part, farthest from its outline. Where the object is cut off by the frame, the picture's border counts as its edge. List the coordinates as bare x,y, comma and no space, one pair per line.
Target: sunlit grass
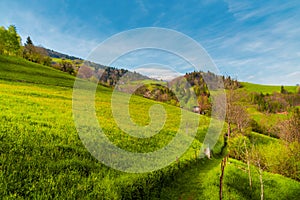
251,87
42,155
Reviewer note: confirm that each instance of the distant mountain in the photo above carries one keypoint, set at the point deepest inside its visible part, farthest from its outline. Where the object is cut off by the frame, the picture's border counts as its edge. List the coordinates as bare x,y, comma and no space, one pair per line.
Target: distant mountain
55,54
108,76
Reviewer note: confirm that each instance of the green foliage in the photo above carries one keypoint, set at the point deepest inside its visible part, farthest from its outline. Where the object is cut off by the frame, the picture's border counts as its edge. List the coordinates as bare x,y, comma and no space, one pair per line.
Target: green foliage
157,92
35,54
280,158
265,123
274,155
10,44
276,102
259,139
209,81
189,91
238,147
282,90
10,41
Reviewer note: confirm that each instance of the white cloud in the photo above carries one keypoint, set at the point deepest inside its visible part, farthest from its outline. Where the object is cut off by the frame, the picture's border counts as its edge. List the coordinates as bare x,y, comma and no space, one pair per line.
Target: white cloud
141,46
158,71
258,38
268,48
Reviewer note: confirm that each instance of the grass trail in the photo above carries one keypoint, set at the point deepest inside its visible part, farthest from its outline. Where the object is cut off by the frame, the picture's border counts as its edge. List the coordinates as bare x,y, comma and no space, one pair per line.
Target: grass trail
201,181
191,183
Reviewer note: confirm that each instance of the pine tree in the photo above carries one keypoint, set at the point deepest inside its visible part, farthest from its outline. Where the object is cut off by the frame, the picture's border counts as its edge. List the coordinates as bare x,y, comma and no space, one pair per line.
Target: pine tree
28,41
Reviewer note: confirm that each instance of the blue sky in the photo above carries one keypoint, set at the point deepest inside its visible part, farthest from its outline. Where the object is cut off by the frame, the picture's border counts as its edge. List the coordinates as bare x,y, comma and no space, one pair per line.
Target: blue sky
254,41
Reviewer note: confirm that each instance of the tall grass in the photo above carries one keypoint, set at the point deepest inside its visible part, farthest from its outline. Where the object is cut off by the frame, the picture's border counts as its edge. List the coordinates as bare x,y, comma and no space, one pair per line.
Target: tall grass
42,155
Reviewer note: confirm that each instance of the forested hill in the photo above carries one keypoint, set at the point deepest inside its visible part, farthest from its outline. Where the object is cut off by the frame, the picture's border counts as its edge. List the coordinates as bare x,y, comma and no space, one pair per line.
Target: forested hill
10,44
179,90
55,54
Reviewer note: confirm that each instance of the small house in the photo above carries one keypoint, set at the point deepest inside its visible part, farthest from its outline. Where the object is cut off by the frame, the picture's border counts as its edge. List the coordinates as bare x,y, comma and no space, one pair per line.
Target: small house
196,109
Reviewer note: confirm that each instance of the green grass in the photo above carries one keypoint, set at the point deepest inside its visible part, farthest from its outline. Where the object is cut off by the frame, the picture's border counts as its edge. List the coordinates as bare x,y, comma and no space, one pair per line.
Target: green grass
251,87
20,70
266,121
202,182
42,155
256,138
149,82
267,118
59,60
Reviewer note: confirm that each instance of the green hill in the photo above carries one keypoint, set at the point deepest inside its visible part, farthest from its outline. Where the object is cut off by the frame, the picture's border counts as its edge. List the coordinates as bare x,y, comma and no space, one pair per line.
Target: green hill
41,153
17,69
42,156
201,182
251,87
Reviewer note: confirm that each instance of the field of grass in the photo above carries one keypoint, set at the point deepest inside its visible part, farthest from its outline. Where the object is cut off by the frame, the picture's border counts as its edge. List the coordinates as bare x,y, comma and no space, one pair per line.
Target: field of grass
251,87
202,182
20,70
42,156
259,139
268,119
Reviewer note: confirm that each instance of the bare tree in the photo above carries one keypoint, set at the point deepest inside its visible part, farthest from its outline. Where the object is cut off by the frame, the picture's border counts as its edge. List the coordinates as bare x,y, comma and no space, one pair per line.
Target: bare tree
289,130
223,165
236,116
248,165
256,159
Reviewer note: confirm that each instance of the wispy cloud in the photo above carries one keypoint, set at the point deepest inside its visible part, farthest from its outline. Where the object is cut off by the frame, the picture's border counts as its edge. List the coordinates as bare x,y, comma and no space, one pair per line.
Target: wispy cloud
142,46
66,36
263,42
158,71
142,6
246,39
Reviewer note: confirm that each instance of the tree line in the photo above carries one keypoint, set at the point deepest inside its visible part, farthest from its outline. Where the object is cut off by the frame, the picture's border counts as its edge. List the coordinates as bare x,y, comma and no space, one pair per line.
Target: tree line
11,45
276,102
180,91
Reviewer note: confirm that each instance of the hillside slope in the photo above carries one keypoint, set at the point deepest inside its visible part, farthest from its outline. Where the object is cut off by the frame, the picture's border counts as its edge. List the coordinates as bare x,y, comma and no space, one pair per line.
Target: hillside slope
41,153
252,87
17,69
42,156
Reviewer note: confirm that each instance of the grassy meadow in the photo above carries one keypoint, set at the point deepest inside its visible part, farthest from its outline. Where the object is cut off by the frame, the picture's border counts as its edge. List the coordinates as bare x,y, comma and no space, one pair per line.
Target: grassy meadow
202,182
42,156
251,87
41,153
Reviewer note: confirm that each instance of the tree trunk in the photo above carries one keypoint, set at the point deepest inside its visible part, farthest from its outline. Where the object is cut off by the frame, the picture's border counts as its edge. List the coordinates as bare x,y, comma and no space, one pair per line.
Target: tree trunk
261,183
223,164
228,130
248,165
